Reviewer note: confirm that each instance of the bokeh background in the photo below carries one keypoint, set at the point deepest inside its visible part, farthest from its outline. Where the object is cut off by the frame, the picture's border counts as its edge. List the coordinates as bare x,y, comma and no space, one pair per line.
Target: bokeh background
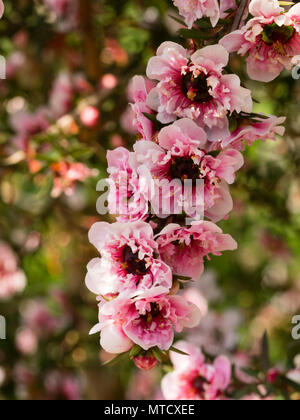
66,60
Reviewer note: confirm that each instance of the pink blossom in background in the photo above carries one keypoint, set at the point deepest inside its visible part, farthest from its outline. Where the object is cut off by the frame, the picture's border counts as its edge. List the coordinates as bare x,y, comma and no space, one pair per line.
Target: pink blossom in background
138,90
66,176
37,317
147,319
270,39
193,10
12,279
130,189
193,378
184,248
218,332
27,124
1,8
90,116
66,12
61,95
129,260
26,341
180,155
59,385
14,63
195,87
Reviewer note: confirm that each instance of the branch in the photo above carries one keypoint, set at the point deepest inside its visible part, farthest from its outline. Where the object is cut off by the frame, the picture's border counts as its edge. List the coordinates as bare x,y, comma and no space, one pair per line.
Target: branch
239,15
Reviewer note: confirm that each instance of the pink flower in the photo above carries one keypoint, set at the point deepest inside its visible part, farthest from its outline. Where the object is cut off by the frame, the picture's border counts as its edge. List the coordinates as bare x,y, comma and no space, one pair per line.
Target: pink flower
12,279
148,319
90,116
129,259
138,90
129,191
66,175
184,248
195,87
193,10
180,155
193,378
271,39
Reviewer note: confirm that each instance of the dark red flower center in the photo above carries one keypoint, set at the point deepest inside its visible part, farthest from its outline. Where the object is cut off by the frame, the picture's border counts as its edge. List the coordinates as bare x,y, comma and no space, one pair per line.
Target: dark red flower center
196,88
131,262
184,168
273,33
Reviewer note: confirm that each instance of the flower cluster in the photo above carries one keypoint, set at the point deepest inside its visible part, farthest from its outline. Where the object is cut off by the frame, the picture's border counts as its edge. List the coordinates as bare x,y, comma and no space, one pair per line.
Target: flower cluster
271,39
193,118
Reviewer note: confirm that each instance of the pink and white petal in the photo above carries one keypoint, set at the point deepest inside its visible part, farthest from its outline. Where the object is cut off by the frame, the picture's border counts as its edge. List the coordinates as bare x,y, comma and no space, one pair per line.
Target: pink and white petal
222,378
233,42
99,234
216,55
113,340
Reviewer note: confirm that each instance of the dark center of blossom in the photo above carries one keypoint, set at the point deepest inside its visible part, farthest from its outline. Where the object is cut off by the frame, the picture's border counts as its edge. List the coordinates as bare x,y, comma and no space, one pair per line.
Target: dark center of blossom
198,384
131,262
184,168
195,87
153,313
273,33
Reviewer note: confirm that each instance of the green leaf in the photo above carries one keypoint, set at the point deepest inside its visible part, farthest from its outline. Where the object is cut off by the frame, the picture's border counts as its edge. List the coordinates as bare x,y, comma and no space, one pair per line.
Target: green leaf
265,353
175,350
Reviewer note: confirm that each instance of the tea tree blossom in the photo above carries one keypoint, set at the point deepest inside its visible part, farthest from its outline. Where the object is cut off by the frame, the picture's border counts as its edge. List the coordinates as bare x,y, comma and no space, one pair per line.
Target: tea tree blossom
194,86
130,259
180,155
147,319
184,248
195,379
270,39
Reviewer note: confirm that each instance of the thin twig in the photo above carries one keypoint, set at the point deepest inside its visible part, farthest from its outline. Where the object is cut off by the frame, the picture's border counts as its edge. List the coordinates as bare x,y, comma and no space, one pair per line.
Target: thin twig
239,14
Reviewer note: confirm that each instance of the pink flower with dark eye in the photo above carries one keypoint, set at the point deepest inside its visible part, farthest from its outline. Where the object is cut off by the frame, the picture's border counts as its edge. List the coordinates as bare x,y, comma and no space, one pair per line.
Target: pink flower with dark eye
148,319
193,378
138,90
130,188
129,262
184,248
12,279
193,10
180,155
271,39
195,86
